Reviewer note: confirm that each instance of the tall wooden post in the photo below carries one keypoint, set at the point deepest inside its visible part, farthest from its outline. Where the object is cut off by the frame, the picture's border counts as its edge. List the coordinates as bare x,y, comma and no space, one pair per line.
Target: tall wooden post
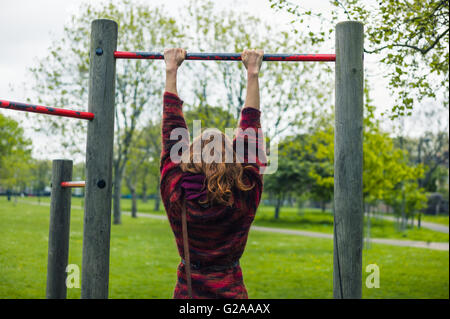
99,156
58,237
348,161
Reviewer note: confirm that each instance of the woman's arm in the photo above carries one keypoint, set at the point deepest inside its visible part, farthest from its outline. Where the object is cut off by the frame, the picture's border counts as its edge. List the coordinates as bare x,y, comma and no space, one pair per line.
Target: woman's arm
172,105
172,119
171,81
249,137
252,60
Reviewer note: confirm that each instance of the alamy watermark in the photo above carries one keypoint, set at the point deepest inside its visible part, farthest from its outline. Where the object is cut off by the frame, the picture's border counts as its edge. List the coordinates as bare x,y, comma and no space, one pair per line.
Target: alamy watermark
251,152
373,279
73,276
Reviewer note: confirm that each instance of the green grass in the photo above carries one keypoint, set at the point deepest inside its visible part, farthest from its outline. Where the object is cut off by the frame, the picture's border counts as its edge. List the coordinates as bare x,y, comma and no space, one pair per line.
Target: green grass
438,219
308,219
144,260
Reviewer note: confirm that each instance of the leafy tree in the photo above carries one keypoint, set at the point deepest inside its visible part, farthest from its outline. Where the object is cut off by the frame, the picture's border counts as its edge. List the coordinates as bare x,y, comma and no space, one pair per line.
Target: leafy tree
153,182
41,172
292,177
15,156
286,99
320,148
139,84
146,145
431,150
387,173
209,117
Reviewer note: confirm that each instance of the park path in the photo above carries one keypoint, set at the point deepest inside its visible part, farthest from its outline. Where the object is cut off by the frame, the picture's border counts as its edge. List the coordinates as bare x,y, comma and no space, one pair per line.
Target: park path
433,226
394,242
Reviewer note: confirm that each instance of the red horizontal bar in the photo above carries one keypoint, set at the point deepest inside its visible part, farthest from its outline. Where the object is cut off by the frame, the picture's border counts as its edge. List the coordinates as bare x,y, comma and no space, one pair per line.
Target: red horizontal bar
227,56
17,106
73,184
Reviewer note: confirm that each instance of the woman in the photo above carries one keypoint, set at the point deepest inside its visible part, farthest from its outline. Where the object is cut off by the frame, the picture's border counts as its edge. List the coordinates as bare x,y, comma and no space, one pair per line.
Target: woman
219,198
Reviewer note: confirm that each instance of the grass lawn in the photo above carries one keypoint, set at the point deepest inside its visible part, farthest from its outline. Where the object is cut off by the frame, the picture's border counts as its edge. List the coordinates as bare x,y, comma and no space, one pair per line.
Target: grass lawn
144,260
438,219
307,219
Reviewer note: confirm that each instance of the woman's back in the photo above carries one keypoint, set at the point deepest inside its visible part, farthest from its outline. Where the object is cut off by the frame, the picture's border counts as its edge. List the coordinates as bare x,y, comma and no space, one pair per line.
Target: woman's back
217,226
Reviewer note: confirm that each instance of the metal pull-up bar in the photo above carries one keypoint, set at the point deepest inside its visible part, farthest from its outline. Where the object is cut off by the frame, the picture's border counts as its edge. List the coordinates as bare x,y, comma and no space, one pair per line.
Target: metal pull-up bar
227,56
71,184
17,106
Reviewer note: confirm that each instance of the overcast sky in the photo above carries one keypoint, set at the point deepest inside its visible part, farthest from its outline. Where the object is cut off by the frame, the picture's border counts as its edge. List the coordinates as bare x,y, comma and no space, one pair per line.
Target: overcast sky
27,28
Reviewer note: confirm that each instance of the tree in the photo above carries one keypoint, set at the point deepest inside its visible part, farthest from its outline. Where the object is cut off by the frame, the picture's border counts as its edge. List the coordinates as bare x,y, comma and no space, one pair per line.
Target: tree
139,84
320,150
410,37
286,99
388,175
41,171
292,176
432,151
212,118
15,156
146,145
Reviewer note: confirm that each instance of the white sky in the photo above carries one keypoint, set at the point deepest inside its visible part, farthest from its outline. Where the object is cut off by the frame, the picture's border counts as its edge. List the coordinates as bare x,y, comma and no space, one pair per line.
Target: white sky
27,28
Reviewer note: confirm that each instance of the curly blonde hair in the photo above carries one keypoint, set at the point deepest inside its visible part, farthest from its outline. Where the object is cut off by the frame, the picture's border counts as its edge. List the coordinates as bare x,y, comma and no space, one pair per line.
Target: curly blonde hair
220,177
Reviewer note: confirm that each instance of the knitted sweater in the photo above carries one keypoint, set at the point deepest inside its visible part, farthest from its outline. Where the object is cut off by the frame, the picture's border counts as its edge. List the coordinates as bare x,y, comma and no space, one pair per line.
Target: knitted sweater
217,234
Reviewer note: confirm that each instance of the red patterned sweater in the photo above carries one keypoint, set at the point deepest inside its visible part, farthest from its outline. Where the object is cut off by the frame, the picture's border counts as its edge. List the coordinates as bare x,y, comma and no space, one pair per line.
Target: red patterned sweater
217,234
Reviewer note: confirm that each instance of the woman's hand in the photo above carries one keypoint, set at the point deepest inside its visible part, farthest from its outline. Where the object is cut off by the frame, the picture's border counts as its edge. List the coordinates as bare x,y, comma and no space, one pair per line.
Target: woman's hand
252,60
173,58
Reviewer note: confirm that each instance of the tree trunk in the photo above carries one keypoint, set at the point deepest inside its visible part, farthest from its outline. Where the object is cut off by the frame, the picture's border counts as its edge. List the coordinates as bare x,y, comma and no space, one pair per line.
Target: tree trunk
144,188
403,222
117,196
133,203
300,208
438,207
132,188
144,192
277,207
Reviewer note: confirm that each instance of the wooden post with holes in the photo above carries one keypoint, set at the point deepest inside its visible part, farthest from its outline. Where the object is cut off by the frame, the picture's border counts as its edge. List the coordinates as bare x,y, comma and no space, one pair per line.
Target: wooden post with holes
99,156
59,229
348,161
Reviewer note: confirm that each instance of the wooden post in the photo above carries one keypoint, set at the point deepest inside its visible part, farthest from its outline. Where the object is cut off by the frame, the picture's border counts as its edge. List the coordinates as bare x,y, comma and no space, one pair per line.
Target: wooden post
99,156
58,237
348,161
